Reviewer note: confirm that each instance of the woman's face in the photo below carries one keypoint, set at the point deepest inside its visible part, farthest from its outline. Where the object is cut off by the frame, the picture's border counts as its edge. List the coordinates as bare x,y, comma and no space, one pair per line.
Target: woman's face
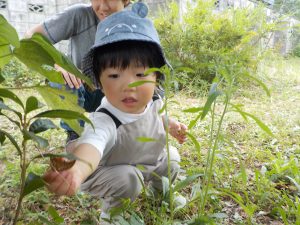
104,8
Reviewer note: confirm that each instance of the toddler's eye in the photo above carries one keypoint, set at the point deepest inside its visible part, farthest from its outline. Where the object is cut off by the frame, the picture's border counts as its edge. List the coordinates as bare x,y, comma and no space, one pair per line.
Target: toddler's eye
114,76
141,75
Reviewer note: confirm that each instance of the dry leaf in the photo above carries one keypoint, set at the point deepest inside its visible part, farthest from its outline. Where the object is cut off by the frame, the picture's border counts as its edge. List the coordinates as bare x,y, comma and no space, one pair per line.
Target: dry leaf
61,164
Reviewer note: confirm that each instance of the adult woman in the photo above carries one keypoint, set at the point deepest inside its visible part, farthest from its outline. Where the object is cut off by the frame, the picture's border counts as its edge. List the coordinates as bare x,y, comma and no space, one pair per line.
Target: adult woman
78,24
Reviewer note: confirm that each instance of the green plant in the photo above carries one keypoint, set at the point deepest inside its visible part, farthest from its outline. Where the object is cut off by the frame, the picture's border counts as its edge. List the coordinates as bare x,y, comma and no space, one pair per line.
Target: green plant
27,116
202,39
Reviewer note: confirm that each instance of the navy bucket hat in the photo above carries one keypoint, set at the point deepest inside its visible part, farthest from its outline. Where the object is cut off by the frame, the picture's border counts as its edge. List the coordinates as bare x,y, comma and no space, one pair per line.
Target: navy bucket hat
127,25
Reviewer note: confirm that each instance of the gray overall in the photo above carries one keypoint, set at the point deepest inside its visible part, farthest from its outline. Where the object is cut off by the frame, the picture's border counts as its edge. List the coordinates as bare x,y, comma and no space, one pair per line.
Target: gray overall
119,174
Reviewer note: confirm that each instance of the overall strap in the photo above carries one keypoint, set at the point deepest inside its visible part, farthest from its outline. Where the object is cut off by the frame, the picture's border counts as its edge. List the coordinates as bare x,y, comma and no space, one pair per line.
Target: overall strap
155,97
114,118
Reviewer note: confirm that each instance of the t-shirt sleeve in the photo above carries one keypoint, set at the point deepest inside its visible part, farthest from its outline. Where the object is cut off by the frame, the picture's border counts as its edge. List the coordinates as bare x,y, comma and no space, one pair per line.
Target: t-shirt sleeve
103,136
65,24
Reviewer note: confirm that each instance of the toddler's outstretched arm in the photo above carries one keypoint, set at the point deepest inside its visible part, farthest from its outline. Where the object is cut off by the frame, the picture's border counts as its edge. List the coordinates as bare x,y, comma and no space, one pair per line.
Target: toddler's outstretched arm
67,182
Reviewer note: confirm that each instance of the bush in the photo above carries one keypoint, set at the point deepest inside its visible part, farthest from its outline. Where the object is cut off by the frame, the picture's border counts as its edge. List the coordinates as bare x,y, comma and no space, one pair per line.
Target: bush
211,42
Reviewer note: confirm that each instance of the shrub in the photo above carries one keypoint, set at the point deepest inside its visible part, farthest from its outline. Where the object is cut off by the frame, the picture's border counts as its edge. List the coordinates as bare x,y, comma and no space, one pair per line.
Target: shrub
210,41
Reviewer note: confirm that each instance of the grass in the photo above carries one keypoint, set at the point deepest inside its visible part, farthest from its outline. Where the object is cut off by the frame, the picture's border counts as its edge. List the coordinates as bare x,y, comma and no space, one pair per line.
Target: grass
256,177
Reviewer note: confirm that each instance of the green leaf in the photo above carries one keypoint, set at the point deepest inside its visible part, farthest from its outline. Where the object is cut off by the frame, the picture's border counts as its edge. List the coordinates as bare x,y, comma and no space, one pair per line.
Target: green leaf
266,89
59,98
42,142
32,104
141,82
184,69
36,58
152,70
59,58
12,140
193,110
212,96
64,114
187,181
163,108
32,183
5,55
263,126
74,125
54,215
193,122
5,93
8,33
145,139
194,140
41,125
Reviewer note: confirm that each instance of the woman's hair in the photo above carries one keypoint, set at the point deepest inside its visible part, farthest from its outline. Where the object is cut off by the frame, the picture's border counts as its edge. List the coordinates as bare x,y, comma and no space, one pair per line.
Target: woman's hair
125,53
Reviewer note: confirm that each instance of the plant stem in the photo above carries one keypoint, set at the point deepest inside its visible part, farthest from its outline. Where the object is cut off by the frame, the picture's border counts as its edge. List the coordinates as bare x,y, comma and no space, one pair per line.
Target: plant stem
212,156
23,166
168,148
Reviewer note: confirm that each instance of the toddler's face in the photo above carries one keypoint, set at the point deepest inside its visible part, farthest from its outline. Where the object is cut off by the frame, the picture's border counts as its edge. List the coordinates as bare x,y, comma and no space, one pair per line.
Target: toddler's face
104,8
133,100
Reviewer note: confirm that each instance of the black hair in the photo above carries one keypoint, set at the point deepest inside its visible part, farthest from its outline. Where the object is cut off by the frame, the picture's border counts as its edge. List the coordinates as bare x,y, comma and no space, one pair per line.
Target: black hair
125,53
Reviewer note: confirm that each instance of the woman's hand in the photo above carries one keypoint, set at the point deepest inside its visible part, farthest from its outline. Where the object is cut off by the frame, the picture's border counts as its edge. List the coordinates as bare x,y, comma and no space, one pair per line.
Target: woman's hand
70,79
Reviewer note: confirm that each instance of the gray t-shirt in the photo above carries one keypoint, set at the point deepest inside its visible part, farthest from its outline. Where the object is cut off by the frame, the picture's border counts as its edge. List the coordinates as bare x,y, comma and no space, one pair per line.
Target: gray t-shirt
78,24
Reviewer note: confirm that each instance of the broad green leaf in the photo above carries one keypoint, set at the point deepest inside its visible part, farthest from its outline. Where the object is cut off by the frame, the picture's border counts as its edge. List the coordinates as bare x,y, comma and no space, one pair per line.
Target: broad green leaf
41,125
36,58
59,58
141,82
266,89
212,96
32,183
54,215
263,126
193,110
187,181
194,140
59,98
5,93
32,104
5,55
64,114
74,125
145,139
12,140
8,33
42,142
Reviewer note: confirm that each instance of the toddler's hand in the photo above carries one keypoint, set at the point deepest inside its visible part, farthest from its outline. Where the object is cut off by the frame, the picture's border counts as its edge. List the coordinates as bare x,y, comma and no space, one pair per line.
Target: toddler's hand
178,130
64,182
